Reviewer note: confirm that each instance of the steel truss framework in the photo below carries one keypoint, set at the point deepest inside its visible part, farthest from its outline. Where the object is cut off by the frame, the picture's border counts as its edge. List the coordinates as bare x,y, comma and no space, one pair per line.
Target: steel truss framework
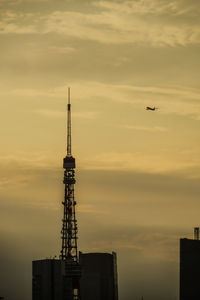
69,250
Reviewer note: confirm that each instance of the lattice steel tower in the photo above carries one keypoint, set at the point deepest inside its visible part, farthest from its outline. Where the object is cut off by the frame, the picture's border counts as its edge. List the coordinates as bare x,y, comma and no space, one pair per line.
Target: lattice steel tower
69,251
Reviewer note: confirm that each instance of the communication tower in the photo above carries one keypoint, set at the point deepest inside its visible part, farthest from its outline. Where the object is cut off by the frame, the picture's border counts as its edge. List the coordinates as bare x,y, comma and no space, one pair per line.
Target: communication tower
69,251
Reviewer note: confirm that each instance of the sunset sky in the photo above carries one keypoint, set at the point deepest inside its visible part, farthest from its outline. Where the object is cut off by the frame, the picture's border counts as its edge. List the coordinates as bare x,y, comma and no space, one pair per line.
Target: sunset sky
137,172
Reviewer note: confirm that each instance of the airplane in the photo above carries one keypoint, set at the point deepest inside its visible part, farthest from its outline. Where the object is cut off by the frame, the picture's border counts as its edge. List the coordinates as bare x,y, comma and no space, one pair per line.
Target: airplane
151,108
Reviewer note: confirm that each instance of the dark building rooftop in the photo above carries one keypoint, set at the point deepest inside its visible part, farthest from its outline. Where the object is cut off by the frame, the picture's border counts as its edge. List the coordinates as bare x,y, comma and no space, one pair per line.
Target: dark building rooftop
189,269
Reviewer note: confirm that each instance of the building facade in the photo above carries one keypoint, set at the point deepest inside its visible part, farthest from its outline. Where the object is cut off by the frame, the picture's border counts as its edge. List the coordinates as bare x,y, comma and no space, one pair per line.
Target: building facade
99,276
189,269
49,280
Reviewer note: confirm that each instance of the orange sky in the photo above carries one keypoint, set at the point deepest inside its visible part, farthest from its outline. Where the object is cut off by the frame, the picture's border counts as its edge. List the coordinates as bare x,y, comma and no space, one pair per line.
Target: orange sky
137,171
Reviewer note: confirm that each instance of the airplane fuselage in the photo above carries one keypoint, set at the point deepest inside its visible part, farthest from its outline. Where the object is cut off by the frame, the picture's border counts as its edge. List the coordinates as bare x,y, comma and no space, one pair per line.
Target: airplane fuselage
150,108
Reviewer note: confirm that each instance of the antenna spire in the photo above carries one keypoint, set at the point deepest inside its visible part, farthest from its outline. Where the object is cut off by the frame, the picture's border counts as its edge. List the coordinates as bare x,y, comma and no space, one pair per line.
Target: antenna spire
69,138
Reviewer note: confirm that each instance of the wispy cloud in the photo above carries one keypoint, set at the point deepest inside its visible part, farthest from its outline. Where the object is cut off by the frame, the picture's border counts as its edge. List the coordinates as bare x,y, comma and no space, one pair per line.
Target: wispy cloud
153,129
122,25
61,50
91,209
151,23
170,100
91,88
29,160
140,162
153,7
6,28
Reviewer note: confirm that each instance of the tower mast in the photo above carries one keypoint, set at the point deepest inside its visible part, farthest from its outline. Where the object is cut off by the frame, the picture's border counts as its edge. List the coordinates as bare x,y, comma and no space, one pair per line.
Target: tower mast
69,135
69,251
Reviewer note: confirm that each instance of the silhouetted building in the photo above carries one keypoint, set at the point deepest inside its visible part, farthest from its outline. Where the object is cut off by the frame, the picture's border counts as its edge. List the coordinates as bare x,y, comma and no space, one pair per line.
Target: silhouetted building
50,281
190,268
99,276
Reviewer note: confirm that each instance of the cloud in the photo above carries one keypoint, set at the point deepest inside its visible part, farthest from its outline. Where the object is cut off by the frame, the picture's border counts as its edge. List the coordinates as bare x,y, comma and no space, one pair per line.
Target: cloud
170,100
152,7
153,23
98,88
184,101
90,209
140,162
16,29
153,129
62,50
29,160
122,25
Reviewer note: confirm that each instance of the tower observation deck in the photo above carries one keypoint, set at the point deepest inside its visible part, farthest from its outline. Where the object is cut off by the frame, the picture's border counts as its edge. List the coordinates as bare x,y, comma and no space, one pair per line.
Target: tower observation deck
69,251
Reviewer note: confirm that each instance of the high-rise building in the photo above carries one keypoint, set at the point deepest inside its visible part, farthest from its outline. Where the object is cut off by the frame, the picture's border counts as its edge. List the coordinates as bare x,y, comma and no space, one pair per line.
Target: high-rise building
190,267
99,276
49,281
